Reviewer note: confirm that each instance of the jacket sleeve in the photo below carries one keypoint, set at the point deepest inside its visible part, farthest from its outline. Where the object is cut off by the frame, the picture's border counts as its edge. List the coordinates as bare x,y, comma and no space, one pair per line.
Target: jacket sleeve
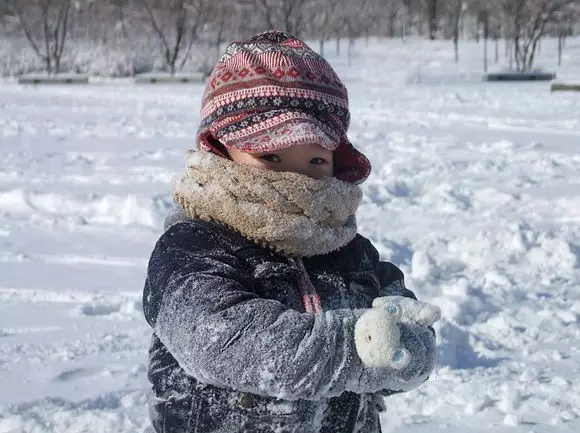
391,278
202,307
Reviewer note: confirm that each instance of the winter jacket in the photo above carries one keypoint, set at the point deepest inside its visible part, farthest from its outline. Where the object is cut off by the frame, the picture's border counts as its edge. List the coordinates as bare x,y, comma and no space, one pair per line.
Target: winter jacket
233,349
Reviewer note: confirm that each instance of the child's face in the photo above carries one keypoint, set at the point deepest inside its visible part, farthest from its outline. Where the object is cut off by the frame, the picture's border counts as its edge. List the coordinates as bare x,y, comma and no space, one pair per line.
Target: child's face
309,159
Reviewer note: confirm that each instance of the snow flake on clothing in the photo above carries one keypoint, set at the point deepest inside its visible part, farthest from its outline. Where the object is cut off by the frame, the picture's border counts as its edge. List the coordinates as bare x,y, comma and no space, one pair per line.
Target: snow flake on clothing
234,347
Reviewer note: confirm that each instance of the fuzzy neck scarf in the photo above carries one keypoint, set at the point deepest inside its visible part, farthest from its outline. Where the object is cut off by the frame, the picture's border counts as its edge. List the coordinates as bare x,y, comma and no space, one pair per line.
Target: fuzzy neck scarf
287,212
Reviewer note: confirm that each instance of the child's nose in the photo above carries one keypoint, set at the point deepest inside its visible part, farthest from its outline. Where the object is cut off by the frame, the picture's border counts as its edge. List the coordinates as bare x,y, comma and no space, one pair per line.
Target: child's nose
312,172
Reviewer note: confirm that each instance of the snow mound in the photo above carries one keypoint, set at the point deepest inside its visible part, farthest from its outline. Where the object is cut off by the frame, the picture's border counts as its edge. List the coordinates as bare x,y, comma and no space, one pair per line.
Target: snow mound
130,309
118,411
129,210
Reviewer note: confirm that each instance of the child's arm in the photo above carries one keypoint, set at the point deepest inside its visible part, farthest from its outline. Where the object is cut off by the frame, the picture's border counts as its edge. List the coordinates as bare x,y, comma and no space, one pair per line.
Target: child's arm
200,303
420,316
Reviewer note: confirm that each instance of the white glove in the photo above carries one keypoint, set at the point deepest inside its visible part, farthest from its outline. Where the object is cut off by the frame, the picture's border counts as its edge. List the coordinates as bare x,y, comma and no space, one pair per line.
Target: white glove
412,311
377,335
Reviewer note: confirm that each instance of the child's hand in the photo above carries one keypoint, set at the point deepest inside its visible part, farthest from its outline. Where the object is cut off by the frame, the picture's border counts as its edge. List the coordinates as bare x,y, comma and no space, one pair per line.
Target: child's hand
377,334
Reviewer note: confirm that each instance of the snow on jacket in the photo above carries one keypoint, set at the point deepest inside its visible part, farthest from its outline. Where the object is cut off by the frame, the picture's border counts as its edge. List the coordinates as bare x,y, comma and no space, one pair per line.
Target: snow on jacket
233,349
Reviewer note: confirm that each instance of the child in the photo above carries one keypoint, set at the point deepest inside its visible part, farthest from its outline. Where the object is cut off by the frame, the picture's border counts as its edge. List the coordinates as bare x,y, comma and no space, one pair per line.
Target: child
270,313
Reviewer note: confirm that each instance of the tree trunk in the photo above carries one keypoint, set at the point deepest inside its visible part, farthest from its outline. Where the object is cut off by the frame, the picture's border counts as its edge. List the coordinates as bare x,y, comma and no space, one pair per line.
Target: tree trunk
517,52
404,25
121,18
349,51
48,62
508,42
560,46
432,17
485,54
392,20
485,24
456,28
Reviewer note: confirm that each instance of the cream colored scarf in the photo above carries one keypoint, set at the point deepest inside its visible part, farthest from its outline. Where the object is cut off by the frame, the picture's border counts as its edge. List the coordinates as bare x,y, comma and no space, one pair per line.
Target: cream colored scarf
288,212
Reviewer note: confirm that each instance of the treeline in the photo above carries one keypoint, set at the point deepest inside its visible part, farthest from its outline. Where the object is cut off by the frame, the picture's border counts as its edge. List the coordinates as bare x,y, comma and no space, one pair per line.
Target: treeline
133,36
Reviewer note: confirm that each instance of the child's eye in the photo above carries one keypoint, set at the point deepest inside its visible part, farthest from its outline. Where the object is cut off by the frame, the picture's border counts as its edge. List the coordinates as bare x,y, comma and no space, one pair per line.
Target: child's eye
271,157
318,161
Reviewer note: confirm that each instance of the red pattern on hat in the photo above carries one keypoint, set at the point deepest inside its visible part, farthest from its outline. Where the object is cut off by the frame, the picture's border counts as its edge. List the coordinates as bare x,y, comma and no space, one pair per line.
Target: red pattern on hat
272,92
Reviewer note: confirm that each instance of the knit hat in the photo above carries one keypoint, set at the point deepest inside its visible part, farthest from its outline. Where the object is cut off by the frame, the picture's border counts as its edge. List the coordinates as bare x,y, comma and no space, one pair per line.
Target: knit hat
272,92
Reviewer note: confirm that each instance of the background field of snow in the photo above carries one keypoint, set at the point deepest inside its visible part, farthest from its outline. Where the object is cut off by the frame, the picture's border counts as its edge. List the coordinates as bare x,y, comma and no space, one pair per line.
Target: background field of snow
475,194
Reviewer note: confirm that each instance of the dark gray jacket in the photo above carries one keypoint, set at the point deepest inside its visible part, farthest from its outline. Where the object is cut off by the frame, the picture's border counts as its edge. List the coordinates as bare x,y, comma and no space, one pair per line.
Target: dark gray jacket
233,349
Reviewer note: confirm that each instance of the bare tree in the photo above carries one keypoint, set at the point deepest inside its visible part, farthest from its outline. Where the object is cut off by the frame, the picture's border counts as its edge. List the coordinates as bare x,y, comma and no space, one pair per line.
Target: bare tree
342,23
364,18
432,18
6,17
4,10
178,27
455,10
322,22
563,26
527,22
224,22
389,12
176,24
96,21
287,15
419,15
118,8
45,24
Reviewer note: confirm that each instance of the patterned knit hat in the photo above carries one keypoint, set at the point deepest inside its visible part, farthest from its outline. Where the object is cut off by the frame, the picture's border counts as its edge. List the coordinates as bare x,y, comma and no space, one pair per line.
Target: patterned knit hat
272,92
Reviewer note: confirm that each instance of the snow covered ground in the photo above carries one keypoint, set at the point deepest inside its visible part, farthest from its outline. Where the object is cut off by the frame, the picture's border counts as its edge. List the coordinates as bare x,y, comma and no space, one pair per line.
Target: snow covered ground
475,194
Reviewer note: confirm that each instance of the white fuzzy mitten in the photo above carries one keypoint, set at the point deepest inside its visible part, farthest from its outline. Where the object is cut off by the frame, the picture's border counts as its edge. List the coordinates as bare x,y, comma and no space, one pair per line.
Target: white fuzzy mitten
377,335
412,311
377,338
